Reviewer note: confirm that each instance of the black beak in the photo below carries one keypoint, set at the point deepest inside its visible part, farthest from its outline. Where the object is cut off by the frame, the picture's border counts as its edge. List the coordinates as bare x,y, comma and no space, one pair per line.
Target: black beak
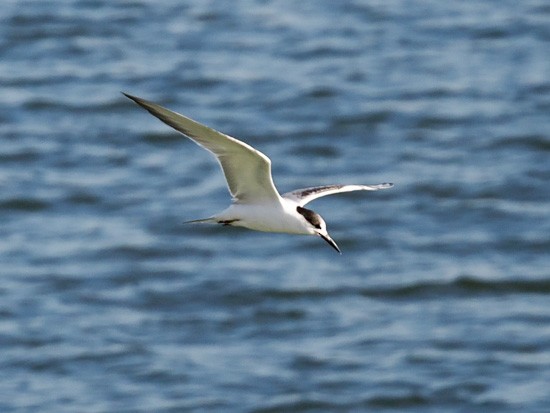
330,242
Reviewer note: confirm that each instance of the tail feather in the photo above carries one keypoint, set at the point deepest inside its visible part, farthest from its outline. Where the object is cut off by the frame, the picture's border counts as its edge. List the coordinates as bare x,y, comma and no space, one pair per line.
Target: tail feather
211,220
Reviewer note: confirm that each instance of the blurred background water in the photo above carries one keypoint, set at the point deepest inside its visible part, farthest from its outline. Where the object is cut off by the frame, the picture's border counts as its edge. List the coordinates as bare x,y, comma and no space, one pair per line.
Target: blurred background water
441,299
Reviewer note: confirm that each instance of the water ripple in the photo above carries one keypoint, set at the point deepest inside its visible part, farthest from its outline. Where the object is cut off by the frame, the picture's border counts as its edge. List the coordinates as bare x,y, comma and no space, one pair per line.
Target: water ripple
108,302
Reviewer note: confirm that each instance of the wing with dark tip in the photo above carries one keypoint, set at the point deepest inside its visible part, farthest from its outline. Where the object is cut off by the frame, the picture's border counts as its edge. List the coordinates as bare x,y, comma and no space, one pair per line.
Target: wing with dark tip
247,170
305,195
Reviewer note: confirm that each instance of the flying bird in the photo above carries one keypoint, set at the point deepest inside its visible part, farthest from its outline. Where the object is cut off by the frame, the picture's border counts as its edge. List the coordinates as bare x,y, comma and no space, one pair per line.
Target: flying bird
257,204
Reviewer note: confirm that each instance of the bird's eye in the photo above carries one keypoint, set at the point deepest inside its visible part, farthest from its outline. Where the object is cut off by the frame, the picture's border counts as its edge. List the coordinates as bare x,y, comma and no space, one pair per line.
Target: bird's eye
310,216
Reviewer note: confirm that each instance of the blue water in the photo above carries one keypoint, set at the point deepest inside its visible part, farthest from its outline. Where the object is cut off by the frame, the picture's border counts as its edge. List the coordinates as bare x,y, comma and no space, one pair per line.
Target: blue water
440,301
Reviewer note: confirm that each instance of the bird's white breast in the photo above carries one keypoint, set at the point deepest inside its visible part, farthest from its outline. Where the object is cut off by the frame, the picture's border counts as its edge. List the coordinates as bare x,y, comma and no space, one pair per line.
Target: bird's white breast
281,217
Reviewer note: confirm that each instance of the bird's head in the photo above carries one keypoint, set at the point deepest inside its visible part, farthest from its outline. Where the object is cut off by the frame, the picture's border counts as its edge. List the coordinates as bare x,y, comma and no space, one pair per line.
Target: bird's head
317,226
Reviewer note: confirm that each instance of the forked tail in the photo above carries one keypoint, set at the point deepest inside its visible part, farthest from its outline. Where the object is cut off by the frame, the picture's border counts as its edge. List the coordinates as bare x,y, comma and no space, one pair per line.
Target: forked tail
210,220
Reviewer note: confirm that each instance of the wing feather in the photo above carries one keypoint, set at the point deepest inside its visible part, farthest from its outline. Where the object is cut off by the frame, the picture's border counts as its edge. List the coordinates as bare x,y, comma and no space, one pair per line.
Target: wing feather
306,195
247,170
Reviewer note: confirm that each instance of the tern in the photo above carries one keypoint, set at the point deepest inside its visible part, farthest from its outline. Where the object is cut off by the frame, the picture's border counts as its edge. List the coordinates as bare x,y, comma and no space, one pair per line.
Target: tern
257,204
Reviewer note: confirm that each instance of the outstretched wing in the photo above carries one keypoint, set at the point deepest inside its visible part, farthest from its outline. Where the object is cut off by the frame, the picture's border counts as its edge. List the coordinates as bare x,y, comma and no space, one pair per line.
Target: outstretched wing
247,170
305,195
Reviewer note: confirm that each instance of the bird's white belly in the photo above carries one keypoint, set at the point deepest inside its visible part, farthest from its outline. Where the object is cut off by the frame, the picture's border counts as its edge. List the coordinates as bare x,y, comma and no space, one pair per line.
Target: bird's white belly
267,218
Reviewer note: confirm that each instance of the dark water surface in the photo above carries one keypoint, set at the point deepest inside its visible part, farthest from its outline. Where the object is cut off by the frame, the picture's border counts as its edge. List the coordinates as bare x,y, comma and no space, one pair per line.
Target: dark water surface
441,299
